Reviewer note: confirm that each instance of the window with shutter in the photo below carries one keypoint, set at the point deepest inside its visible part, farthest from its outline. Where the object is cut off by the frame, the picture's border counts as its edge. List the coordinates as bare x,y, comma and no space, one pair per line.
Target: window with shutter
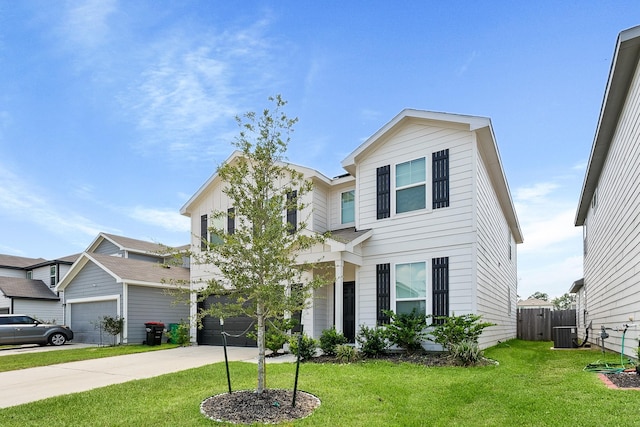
292,212
231,220
441,179
383,189
383,292
411,190
440,283
204,232
411,288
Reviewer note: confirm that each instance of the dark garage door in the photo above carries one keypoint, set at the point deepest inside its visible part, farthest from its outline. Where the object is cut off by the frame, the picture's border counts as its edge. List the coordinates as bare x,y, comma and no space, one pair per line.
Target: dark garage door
210,334
85,318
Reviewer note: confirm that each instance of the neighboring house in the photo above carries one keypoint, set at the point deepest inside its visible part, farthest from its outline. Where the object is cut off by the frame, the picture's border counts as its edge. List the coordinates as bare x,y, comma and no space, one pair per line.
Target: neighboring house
610,202
533,303
26,286
422,219
124,277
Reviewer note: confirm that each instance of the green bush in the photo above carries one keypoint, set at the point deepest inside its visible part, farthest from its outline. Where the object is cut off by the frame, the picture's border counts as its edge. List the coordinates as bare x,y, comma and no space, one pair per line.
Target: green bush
373,341
112,325
307,348
467,352
276,333
455,329
407,331
329,339
181,335
346,353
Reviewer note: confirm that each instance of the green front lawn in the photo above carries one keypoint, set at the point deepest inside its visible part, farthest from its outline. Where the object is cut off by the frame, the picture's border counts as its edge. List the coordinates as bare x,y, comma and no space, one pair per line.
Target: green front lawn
45,358
532,386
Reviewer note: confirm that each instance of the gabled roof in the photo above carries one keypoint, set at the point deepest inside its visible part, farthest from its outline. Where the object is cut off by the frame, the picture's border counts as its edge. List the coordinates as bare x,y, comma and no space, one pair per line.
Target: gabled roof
486,142
69,259
127,270
129,244
623,66
14,287
215,180
18,262
534,302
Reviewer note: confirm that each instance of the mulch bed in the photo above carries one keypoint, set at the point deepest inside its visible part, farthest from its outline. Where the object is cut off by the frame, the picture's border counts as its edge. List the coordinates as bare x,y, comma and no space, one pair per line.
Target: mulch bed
271,407
628,380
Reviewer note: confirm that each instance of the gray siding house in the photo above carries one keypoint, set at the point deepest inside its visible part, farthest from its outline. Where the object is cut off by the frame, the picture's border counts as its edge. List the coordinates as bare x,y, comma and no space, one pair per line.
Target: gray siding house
124,277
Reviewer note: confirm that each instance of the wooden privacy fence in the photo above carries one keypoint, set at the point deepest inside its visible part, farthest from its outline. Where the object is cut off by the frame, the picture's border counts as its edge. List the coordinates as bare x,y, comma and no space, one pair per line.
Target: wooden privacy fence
536,324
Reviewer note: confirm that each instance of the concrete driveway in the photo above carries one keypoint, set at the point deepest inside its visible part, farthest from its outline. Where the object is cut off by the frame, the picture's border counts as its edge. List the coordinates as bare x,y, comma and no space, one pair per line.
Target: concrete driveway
29,385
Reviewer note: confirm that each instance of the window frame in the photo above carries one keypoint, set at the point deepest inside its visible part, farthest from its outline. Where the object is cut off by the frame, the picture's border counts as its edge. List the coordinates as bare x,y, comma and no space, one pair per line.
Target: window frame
412,185
394,286
342,207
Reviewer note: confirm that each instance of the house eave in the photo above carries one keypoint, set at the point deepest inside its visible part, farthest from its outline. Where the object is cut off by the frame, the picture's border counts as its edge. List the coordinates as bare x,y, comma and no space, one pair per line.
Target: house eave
623,65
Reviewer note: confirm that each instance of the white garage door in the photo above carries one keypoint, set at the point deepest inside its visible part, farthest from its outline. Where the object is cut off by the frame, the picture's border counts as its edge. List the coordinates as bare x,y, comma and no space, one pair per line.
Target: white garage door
85,321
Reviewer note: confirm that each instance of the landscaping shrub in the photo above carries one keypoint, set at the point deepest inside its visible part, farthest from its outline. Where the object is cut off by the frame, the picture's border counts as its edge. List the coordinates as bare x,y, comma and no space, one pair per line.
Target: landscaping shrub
112,325
276,333
407,331
346,353
373,341
307,348
181,335
329,339
455,329
467,352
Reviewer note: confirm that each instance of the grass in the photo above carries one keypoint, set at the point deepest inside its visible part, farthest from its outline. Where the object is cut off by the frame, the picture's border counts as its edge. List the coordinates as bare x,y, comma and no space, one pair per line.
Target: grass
45,358
532,385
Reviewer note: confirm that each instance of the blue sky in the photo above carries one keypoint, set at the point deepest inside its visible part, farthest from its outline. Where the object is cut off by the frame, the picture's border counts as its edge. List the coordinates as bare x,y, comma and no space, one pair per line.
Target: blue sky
112,114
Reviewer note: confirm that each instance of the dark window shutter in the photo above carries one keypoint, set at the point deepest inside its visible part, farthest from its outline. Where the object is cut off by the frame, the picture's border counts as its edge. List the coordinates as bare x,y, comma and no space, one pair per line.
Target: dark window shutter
440,284
292,212
383,292
441,179
231,220
383,187
204,230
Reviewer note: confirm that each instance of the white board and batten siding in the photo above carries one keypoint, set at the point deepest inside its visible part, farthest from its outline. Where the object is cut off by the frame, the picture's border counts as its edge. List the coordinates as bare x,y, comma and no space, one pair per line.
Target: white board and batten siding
496,275
612,255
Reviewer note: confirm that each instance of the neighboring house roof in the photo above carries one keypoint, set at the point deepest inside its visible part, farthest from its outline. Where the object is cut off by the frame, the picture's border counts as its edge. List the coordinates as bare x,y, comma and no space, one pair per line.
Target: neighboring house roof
11,261
534,303
486,143
69,259
576,286
127,270
14,287
625,60
131,245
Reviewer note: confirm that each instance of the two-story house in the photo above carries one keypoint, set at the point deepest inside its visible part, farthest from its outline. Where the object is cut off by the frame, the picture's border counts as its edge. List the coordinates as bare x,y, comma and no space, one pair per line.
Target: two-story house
124,277
609,294
422,219
27,286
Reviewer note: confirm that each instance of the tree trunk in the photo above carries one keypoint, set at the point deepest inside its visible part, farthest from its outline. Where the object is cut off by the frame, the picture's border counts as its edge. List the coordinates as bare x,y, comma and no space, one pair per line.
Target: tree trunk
261,348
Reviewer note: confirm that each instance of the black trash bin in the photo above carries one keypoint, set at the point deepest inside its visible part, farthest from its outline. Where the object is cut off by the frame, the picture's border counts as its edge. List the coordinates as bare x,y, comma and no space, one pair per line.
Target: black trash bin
154,332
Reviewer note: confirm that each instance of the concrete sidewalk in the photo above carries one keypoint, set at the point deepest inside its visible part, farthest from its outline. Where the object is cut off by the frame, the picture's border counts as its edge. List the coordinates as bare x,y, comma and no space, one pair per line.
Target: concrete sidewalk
29,385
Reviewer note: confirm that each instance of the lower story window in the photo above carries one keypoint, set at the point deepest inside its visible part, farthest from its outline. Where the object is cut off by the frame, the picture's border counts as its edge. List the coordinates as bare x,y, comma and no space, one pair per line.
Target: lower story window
411,288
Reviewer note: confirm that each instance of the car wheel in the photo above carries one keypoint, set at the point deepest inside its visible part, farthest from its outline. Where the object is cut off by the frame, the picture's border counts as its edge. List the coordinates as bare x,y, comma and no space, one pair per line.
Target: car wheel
57,339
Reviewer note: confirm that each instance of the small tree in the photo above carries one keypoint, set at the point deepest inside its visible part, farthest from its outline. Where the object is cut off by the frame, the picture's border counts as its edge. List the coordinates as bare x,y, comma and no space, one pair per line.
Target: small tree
256,266
113,326
540,295
564,302
407,330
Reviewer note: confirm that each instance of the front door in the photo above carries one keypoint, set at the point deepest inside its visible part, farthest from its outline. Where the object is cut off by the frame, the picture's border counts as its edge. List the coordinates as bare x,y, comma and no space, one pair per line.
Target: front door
349,311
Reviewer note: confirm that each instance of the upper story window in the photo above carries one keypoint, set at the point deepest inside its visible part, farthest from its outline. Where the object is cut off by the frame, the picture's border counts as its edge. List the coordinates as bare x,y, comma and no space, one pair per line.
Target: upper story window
30,274
52,276
292,211
348,207
231,220
411,186
204,232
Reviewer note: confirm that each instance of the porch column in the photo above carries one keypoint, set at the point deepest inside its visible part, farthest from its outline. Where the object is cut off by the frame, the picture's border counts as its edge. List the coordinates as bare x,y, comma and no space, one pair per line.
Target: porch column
339,293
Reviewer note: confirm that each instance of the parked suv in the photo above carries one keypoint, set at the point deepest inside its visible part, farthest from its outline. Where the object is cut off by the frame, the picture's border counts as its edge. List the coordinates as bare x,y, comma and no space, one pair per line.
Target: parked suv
21,329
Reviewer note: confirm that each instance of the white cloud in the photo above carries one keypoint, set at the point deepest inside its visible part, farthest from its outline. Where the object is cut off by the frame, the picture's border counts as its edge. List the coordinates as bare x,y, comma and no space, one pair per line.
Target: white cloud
20,200
168,219
554,279
463,69
85,23
535,192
